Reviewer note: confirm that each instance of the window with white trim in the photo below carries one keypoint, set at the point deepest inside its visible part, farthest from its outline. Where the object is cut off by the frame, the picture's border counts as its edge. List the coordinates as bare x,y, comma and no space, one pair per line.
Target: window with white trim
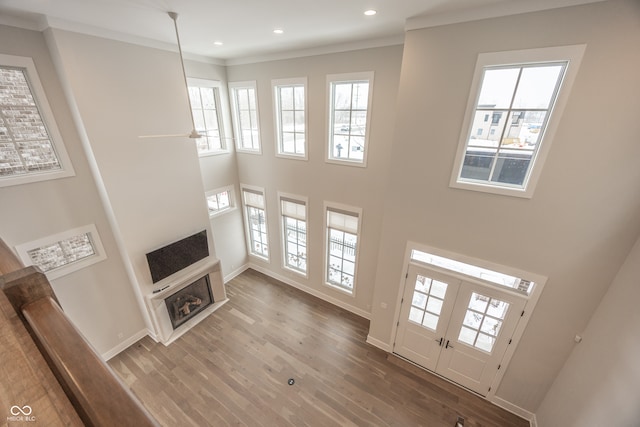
31,147
256,221
514,108
293,210
291,120
65,252
220,200
245,116
510,281
342,239
204,96
349,117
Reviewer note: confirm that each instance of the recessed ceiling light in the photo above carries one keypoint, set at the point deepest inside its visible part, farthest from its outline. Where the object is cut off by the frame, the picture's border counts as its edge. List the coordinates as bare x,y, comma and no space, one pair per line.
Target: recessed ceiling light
370,12
217,43
278,31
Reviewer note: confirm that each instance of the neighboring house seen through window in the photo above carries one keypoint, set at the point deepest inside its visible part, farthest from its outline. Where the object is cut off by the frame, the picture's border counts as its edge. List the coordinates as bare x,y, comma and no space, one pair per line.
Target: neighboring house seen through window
31,147
524,93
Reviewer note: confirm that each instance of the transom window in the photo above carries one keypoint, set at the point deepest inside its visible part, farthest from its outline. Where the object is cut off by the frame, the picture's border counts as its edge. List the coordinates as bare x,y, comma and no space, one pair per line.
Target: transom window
256,221
495,277
245,116
204,96
350,102
220,200
342,246
294,236
291,122
31,147
514,109
65,252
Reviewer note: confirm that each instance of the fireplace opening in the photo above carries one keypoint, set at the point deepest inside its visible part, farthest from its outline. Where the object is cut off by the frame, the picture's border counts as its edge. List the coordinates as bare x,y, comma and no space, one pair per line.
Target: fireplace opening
189,301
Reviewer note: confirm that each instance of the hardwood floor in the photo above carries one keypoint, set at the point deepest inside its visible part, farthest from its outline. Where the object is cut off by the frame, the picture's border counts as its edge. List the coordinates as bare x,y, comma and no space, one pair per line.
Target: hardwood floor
233,369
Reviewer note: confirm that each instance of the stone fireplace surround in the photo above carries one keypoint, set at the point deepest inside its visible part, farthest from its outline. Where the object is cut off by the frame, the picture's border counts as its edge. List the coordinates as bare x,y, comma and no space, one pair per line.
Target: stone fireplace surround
159,314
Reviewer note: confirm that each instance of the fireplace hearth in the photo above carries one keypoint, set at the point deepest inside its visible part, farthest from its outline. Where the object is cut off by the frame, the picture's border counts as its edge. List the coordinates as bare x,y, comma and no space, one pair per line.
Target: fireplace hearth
189,301
185,299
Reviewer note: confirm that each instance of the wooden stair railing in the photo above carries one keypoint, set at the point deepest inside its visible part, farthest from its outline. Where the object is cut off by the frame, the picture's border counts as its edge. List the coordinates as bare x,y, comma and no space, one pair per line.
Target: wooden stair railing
94,391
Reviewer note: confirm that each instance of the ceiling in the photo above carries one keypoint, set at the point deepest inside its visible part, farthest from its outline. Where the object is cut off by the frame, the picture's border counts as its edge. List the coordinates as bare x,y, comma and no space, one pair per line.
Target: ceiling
245,27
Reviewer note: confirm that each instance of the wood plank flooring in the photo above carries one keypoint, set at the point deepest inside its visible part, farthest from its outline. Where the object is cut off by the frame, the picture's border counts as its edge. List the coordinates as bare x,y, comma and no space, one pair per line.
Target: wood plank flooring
233,369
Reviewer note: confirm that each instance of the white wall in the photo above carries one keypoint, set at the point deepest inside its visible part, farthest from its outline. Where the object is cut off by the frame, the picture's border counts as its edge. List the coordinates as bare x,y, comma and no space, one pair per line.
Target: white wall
316,179
598,385
153,186
582,220
98,299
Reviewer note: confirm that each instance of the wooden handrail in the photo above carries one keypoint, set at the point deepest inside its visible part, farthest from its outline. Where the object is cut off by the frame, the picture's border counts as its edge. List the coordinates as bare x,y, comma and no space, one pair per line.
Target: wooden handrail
8,260
93,388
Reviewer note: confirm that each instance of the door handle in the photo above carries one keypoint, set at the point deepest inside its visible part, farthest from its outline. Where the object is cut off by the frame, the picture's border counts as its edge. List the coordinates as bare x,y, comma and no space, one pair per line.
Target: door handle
440,341
447,345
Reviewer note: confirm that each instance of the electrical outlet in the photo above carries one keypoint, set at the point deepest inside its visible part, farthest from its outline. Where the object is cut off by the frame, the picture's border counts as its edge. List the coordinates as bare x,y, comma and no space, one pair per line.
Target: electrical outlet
120,335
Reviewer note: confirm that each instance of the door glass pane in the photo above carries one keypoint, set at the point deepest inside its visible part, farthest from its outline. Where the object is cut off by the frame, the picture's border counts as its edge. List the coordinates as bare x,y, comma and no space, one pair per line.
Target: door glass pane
438,289
491,326
430,321
485,342
426,307
434,305
472,319
422,284
497,308
478,302
482,321
419,300
467,335
415,315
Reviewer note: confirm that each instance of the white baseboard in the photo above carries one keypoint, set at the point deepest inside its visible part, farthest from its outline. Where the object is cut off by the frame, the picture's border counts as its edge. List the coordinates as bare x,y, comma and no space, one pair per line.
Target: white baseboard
311,291
238,271
514,409
380,344
125,344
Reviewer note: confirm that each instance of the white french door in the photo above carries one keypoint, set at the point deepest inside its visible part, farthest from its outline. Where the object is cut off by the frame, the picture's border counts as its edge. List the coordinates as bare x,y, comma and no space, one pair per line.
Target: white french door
456,328
427,304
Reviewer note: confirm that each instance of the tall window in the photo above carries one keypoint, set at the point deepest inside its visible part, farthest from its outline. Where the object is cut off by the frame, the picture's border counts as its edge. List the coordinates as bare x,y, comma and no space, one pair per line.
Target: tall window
31,147
220,200
342,246
256,221
349,105
291,122
245,116
65,252
523,93
205,101
294,233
